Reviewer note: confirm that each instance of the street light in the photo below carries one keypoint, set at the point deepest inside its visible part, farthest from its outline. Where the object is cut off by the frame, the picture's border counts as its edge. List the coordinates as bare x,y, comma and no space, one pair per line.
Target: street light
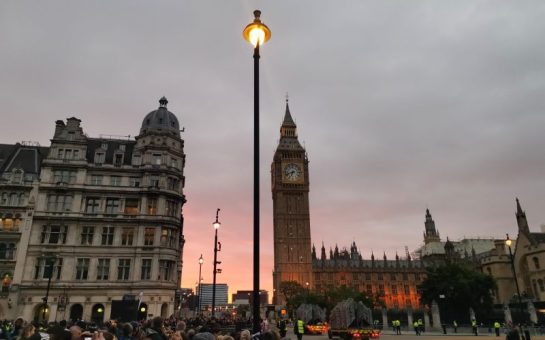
256,33
49,260
201,260
508,242
216,225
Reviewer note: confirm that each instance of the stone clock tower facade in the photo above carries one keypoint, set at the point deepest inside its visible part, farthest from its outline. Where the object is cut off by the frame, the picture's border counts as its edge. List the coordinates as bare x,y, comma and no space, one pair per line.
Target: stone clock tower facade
291,218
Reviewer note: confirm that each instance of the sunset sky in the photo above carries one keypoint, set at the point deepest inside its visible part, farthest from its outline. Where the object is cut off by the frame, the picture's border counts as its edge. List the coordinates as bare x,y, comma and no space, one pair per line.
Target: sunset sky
401,105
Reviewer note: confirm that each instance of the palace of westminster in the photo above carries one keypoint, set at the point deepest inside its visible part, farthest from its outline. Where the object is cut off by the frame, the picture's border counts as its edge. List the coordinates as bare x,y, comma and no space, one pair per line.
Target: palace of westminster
87,221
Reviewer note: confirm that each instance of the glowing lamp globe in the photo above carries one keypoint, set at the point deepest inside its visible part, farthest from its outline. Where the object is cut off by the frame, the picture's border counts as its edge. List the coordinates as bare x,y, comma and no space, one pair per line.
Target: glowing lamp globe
256,32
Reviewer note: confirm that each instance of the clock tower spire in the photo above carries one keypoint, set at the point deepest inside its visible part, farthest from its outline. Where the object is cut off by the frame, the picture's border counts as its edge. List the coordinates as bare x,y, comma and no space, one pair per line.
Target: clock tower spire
291,217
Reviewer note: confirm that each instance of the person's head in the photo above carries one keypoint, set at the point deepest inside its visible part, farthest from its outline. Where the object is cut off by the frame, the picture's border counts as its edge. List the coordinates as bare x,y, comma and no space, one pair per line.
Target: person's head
245,335
28,331
157,322
180,326
75,332
127,329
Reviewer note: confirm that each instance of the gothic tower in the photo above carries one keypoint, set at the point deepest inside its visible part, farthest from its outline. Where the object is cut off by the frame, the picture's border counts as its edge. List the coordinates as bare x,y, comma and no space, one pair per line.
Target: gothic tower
291,218
431,234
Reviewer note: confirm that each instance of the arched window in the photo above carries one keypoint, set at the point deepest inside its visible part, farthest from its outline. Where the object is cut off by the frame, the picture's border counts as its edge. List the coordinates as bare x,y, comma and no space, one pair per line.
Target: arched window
76,312
97,313
536,262
540,283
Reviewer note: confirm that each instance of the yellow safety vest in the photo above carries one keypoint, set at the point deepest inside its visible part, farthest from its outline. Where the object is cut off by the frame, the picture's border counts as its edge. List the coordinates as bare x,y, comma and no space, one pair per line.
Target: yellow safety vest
300,327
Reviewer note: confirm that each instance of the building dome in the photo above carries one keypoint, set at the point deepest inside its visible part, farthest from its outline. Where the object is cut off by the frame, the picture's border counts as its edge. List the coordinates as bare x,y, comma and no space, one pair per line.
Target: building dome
161,120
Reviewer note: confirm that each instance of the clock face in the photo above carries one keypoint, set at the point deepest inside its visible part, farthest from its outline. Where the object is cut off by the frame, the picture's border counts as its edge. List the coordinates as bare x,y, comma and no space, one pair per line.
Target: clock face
292,172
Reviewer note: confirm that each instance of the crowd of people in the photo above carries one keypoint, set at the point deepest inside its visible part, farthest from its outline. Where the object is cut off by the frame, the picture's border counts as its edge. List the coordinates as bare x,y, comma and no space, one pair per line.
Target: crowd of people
153,329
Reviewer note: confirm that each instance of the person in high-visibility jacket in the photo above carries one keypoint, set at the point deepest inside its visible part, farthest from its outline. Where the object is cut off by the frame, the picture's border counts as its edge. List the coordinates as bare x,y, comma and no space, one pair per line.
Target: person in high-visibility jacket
299,329
474,326
497,326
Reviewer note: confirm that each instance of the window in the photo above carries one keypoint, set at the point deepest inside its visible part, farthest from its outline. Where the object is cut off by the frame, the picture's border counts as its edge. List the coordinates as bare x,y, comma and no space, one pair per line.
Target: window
112,205
369,290
170,209
46,267
5,199
115,181
127,236
540,283
405,276
380,278
152,206
14,199
149,235
96,180
417,276
381,289
394,290
368,276
136,159
122,147
107,236
53,234
59,203
134,182
536,262
406,289
174,163
103,269
82,269
123,269
131,206
64,176
104,146
146,269
167,237
173,183
99,157
154,181
92,205
87,234
165,270
17,176
393,277
156,159
118,160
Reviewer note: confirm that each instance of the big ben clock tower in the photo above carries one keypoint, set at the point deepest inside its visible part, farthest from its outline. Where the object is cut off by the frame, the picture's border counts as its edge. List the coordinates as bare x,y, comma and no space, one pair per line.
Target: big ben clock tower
291,218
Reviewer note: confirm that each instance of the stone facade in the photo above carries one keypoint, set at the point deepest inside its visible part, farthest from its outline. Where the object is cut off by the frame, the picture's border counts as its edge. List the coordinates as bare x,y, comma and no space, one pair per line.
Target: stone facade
107,222
19,177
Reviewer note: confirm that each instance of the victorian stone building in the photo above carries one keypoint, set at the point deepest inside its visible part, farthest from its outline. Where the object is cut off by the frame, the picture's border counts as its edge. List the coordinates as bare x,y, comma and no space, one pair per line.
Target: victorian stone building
107,223
394,281
19,176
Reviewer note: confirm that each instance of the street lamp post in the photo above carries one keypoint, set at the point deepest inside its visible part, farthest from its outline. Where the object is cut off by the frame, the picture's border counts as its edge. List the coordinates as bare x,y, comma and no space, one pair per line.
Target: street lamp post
257,34
216,225
508,242
48,265
201,260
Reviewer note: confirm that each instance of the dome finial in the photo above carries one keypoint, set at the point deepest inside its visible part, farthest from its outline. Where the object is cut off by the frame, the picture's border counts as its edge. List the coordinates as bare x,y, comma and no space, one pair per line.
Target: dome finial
163,102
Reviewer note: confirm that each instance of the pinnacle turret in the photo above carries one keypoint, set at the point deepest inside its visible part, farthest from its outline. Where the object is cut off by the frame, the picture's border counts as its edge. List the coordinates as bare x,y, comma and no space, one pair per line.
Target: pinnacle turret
522,222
